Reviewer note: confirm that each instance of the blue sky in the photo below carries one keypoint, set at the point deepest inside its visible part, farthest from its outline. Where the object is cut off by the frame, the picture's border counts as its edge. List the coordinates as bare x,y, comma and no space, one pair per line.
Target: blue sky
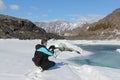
50,10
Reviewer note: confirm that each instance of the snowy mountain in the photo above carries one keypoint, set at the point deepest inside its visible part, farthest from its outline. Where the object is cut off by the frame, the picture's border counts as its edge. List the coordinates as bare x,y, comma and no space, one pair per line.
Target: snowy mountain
58,26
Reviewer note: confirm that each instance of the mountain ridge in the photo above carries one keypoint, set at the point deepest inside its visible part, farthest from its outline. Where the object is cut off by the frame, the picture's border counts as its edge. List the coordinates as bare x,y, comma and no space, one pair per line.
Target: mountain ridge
58,26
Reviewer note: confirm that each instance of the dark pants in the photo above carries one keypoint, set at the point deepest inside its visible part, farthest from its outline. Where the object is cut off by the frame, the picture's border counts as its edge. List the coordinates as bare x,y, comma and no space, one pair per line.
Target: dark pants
47,65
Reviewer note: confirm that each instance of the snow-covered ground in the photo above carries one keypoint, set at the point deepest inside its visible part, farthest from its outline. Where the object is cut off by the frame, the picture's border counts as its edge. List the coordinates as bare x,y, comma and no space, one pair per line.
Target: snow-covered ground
16,63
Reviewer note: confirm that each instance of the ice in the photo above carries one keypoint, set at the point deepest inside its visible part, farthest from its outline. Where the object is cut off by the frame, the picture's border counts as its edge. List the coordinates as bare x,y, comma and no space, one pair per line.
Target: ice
16,55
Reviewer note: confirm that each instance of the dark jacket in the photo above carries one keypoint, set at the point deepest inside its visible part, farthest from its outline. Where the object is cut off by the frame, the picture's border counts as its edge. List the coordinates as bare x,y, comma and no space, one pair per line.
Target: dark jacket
41,55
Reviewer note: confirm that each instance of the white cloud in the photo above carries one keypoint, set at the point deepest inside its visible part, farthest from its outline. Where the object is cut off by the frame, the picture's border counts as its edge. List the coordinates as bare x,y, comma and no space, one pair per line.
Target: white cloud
88,18
91,18
2,5
14,7
94,18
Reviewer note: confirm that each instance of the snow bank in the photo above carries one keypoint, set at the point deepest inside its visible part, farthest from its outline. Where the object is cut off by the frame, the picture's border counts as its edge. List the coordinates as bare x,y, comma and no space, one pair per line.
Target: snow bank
69,44
64,43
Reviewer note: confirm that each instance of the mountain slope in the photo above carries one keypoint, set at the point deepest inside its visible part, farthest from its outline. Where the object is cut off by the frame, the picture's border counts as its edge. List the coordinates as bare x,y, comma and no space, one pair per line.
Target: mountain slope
111,21
12,27
106,28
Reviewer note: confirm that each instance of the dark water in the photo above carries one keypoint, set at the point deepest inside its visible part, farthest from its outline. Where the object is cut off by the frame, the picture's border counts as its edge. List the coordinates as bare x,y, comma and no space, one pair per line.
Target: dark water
103,55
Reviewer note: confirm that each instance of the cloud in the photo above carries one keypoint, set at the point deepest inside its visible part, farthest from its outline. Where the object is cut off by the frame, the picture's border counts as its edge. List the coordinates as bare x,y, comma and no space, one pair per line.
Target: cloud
93,18
2,5
89,18
14,7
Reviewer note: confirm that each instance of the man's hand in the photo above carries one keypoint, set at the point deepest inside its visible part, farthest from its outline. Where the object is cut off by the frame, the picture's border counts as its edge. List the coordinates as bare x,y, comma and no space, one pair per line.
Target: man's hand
51,48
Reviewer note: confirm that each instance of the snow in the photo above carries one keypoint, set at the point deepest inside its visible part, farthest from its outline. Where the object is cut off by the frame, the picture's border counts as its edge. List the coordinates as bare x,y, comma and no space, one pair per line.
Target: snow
94,42
16,55
118,50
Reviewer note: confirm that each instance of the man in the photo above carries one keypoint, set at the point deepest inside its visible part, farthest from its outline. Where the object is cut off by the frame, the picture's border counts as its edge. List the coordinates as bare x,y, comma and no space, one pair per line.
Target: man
41,55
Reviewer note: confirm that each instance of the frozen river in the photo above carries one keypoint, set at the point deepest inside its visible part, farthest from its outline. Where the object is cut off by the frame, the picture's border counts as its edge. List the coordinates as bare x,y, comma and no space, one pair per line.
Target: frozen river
103,55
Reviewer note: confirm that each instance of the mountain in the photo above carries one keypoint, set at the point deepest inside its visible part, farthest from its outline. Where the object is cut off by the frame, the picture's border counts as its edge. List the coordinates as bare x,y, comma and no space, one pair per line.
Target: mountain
112,21
58,27
106,28
12,27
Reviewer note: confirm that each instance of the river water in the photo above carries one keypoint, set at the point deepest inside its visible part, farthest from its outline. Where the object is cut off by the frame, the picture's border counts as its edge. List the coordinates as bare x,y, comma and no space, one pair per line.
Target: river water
103,55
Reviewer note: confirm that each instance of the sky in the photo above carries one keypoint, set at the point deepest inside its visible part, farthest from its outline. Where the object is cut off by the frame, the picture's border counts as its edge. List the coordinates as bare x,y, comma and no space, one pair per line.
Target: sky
51,10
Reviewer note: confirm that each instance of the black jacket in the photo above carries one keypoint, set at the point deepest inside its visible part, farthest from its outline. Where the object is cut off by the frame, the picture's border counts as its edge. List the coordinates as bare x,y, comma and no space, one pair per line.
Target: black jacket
40,57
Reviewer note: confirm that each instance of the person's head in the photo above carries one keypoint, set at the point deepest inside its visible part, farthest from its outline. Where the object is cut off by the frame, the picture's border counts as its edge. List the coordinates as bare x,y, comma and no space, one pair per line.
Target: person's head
44,42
